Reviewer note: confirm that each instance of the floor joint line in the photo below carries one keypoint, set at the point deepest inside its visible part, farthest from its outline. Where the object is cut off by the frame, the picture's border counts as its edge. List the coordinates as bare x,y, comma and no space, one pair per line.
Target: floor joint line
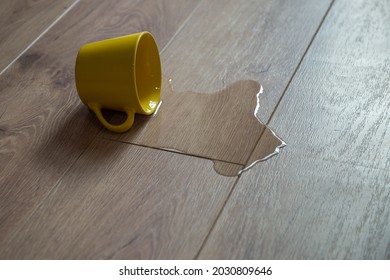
300,62
239,176
40,36
168,150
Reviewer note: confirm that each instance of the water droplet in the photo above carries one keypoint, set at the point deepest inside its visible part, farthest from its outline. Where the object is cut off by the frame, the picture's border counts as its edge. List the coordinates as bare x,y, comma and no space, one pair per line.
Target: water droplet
152,104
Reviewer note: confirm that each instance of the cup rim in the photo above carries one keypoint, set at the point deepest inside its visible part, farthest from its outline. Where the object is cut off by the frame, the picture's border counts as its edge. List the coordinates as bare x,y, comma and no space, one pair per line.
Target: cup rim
157,87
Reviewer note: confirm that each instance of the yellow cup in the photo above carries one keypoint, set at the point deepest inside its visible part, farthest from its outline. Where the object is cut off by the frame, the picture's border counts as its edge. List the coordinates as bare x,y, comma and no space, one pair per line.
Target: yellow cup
122,74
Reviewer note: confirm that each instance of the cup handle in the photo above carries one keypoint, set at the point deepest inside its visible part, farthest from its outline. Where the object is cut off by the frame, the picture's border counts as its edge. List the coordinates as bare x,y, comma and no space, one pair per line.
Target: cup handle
97,109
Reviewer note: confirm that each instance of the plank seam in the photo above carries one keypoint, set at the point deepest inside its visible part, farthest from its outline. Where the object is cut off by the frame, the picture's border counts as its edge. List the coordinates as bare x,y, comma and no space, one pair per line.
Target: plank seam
285,90
217,218
167,150
97,134
40,36
292,77
180,28
300,62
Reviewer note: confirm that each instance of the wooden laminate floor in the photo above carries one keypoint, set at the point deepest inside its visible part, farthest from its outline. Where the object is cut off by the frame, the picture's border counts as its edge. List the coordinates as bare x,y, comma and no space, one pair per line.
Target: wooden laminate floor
70,189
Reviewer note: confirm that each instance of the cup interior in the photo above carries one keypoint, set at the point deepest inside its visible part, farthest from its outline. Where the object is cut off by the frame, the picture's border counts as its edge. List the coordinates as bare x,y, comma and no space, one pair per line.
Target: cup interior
147,73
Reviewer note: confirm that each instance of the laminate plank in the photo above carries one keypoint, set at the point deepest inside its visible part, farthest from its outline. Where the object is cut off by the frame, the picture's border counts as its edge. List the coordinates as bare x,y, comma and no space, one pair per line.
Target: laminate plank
21,21
210,110
327,195
122,201
304,208
44,127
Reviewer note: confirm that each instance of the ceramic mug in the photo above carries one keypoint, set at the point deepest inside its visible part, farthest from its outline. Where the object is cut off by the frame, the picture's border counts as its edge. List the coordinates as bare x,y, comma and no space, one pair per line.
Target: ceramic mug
122,74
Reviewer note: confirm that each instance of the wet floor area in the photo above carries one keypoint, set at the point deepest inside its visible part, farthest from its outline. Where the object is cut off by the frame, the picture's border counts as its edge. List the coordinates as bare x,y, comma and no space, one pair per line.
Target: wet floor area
222,126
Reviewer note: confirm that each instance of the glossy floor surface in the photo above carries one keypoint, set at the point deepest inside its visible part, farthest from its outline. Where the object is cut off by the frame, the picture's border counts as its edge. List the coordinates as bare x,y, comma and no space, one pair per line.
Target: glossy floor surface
168,188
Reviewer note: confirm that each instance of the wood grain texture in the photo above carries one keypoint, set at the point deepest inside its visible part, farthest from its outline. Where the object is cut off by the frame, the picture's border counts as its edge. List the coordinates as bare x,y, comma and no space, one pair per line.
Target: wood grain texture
44,127
304,208
327,194
21,21
224,42
122,201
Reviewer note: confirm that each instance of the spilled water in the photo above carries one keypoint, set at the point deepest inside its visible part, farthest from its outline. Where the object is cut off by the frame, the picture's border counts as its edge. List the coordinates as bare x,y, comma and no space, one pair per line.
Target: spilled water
222,126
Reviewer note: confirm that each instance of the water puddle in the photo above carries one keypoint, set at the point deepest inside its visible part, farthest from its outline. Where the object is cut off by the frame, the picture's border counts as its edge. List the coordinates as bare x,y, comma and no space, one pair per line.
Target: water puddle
222,126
